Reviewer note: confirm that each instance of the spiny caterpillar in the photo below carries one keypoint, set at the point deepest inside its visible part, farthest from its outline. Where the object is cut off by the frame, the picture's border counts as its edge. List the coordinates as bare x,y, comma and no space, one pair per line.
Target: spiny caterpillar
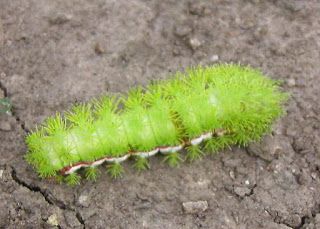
216,106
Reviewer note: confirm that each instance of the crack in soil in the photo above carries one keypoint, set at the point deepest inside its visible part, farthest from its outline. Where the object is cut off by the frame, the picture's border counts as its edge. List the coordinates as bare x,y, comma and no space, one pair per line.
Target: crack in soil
13,113
49,198
80,219
47,195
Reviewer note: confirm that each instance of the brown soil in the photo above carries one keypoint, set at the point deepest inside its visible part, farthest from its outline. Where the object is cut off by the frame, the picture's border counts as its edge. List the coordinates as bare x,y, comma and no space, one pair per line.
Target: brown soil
54,53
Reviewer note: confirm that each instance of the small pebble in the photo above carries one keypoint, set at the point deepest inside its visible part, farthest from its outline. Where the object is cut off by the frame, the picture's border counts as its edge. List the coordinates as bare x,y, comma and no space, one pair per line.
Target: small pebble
247,23
195,207
197,9
214,58
291,82
293,221
242,191
176,51
194,43
5,126
1,173
59,19
53,220
203,183
98,49
83,200
231,173
182,30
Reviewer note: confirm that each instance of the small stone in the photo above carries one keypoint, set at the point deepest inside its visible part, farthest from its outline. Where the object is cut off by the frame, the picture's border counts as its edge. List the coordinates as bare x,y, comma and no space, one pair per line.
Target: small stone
176,51
197,9
195,207
231,174
98,49
194,43
214,58
260,33
5,126
247,23
304,178
247,182
59,19
83,200
203,183
293,221
1,173
53,220
182,30
242,191
291,82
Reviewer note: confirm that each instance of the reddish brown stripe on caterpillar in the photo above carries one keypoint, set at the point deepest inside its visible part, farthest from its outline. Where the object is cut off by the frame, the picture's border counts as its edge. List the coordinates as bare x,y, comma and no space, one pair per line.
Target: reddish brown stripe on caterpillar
162,149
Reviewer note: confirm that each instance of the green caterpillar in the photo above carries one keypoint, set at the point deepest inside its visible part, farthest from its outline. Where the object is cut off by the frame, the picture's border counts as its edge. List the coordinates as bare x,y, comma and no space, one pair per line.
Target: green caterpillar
216,106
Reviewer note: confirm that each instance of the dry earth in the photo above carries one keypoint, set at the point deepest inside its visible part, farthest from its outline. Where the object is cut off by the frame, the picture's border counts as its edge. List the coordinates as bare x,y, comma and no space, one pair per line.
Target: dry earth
54,53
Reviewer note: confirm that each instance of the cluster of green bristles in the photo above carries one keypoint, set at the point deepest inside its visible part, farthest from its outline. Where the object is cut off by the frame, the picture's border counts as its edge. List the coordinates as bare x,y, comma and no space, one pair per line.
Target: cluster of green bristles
238,100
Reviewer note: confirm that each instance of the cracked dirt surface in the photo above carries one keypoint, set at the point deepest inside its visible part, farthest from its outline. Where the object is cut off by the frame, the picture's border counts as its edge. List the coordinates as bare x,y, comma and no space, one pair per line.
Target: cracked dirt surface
54,53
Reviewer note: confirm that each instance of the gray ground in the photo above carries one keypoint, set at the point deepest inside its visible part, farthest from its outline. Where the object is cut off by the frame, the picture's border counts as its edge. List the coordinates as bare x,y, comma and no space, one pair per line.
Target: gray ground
54,53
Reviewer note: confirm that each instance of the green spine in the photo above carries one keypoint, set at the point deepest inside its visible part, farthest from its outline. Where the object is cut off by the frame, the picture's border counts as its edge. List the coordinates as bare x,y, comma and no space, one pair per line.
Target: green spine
238,100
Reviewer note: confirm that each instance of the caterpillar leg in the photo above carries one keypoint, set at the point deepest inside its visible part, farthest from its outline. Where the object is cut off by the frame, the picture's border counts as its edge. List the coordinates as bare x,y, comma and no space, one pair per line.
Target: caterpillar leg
194,153
173,159
141,163
115,170
91,173
73,179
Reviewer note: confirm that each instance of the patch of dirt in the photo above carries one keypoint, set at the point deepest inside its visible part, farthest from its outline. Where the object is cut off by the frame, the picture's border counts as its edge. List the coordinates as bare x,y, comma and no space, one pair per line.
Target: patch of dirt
54,53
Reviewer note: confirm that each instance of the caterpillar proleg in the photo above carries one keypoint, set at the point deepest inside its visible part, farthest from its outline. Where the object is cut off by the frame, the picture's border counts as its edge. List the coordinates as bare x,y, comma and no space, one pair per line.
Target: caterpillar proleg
201,110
